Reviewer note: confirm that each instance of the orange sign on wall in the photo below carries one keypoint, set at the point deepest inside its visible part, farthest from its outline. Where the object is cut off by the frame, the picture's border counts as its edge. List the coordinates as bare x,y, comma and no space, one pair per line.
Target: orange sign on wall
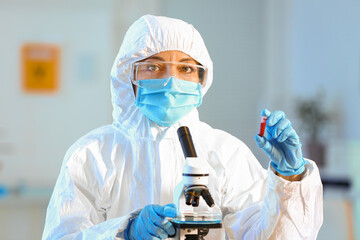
40,67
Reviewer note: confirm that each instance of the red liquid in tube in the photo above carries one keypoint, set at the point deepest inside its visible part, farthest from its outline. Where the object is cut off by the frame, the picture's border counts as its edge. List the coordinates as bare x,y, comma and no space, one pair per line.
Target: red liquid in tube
262,126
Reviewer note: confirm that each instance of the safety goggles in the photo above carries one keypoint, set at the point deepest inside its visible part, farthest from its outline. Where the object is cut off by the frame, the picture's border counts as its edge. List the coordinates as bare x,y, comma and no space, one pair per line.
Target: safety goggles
150,70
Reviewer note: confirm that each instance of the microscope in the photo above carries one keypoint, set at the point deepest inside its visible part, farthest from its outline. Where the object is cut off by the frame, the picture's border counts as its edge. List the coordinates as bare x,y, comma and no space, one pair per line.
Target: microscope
195,218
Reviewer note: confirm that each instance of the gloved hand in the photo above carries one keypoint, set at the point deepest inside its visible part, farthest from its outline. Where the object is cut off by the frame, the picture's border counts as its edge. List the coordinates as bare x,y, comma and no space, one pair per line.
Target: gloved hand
282,144
152,223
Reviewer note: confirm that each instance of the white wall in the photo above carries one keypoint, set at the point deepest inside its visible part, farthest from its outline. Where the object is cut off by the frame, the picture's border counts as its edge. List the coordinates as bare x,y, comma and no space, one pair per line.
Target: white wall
326,56
39,127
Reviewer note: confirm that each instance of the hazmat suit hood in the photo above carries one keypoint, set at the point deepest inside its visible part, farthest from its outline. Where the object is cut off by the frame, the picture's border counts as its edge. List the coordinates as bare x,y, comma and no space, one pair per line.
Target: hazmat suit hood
147,36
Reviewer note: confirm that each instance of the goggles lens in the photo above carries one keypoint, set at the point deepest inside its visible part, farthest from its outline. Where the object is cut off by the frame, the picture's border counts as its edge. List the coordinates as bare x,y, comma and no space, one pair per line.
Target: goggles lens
166,70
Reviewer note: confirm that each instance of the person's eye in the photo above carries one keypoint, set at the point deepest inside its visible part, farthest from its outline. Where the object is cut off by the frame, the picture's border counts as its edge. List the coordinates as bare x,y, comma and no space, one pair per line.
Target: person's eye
153,67
187,69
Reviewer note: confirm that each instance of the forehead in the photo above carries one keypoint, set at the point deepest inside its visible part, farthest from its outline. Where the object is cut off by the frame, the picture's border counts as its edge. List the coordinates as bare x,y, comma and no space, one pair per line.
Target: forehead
173,56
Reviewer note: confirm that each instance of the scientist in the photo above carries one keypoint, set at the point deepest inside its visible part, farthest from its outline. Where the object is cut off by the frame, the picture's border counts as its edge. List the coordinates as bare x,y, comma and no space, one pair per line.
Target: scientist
117,181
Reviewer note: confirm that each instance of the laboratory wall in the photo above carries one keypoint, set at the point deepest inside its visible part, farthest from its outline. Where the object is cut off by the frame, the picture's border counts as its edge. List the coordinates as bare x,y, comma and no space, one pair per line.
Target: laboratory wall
325,65
37,128
266,54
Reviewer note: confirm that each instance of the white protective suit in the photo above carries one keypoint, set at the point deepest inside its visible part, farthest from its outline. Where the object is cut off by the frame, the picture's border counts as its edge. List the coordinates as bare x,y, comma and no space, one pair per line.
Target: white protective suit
111,173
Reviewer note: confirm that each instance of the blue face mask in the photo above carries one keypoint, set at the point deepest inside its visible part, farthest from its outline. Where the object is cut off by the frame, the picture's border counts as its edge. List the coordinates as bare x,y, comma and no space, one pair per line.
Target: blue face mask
167,105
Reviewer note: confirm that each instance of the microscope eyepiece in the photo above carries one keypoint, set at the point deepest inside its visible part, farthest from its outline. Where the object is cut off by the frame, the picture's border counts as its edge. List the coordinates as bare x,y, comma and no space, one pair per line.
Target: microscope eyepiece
186,142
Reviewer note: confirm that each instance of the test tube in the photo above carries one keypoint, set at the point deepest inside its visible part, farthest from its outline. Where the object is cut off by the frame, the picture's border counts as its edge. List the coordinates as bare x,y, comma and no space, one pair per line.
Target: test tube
262,125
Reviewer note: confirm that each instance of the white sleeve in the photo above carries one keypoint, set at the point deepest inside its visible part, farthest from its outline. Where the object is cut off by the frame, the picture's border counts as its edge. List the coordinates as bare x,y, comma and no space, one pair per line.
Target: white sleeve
289,210
78,206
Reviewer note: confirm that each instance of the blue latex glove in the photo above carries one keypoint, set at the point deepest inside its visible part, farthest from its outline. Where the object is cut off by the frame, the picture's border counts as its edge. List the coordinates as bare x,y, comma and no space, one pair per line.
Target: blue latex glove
282,144
152,223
